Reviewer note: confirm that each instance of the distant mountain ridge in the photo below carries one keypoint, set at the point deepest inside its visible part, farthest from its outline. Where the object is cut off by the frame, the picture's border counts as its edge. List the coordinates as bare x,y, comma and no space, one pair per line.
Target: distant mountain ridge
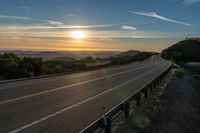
49,55
127,53
13,66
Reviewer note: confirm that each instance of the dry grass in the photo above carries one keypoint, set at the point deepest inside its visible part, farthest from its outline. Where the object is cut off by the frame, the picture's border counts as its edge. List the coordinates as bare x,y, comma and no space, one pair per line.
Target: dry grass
175,109
180,110
180,72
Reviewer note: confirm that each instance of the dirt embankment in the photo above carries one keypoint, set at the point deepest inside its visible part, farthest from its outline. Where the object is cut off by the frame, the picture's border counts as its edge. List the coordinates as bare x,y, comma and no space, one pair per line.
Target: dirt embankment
171,109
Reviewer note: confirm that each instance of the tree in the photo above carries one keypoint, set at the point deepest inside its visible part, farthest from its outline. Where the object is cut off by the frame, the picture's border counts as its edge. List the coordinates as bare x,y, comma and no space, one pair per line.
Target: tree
32,66
184,51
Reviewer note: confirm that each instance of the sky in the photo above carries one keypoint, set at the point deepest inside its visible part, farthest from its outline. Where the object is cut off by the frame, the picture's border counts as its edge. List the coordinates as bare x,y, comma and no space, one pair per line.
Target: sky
108,25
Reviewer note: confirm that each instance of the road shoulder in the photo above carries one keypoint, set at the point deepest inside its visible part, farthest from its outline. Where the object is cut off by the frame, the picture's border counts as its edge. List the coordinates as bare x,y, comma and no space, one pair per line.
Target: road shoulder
173,107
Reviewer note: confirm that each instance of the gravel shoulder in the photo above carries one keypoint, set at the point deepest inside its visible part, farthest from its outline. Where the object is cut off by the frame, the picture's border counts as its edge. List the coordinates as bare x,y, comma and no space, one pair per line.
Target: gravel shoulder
173,107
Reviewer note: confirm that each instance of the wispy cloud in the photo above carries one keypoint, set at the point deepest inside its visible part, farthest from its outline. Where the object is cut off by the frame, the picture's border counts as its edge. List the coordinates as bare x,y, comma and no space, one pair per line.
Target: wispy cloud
46,24
31,19
25,7
55,23
155,15
58,0
191,1
127,27
89,26
51,26
71,15
15,17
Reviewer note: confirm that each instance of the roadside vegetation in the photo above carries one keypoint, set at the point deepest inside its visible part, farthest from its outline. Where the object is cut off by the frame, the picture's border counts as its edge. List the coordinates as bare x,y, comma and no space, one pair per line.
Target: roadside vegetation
186,53
187,50
180,72
13,66
194,70
197,76
178,108
128,59
173,107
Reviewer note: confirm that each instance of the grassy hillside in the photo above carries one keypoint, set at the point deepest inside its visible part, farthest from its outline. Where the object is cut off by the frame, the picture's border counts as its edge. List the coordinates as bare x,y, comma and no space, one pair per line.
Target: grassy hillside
187,50
127,53
13,66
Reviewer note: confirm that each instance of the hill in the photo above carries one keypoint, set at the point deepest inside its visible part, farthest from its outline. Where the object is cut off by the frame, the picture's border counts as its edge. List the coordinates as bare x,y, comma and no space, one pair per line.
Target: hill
126,58
187,50
88,59
127,53
49,55
14,66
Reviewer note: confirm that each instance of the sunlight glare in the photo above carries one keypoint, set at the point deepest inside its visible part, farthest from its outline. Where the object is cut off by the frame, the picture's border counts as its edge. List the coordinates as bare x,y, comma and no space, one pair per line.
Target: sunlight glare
78,35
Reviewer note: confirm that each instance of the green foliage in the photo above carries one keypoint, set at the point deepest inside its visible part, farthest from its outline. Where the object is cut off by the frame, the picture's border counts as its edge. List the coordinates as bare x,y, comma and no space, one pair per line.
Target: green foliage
129,59
32,66
187,50
180,72
10,70
12,66
88,59
66,65
197,76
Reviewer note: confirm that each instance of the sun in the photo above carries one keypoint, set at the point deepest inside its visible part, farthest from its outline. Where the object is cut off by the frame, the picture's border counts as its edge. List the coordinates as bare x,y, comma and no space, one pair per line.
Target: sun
78,35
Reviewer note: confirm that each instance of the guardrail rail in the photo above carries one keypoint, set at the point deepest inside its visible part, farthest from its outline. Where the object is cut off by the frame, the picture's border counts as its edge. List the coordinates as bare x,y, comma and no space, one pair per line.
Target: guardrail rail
105,122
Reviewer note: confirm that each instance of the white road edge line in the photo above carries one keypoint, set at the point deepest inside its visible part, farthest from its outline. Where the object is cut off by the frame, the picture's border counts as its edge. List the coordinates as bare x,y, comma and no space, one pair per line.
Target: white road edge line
68,86
75,105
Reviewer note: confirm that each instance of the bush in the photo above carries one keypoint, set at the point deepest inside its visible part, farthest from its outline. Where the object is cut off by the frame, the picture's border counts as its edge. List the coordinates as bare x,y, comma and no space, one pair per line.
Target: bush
180,72
13,66
183,51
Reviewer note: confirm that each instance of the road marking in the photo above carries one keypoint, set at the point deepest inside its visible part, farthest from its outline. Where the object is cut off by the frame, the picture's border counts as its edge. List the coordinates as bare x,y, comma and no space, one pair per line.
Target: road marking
82,102
68,86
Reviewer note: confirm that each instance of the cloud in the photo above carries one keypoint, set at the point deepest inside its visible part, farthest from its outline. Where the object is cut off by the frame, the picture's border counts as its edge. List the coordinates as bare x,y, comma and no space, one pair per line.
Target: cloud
191,1
28,18
25,7
155,15
46,24
15,17
71,15
88,26
49,26
57,0
127,27
55,23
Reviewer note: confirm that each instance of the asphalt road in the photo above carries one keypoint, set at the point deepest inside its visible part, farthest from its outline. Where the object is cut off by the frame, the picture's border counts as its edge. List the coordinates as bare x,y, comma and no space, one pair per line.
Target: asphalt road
69,103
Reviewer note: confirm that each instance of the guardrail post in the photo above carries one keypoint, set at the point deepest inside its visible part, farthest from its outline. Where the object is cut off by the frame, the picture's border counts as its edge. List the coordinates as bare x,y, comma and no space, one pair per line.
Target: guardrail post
138,99
107,124
151,87
161,79
146,92
126,108
156,83
163,75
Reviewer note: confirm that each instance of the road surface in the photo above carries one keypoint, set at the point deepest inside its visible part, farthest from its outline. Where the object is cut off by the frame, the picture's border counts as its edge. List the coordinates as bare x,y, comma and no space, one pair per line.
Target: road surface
69,103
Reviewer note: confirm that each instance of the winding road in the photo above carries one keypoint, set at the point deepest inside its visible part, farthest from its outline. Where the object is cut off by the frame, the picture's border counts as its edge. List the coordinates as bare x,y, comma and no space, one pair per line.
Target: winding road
69,103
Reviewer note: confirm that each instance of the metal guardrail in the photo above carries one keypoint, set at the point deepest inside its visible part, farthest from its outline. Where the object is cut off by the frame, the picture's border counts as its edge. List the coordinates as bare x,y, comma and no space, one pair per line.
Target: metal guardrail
105,122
